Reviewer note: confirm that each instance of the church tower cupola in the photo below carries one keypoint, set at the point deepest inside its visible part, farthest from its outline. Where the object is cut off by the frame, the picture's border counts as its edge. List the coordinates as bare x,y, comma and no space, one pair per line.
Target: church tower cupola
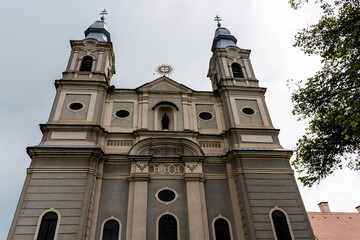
223,37
99,30
229,65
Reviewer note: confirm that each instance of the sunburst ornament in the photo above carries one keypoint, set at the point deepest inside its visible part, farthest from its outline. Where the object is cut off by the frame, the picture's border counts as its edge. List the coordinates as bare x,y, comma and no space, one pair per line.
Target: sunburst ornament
164,69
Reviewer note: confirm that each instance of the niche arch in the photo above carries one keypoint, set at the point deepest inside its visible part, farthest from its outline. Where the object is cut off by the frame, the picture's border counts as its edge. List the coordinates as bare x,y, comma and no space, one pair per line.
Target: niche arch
165,112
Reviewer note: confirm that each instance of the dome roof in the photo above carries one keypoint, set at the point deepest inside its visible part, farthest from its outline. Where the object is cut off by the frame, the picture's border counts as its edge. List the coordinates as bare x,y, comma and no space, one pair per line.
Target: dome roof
223,39
99,30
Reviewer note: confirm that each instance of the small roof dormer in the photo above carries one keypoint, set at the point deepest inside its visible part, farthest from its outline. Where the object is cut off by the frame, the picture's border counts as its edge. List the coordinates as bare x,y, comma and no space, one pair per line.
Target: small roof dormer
99,30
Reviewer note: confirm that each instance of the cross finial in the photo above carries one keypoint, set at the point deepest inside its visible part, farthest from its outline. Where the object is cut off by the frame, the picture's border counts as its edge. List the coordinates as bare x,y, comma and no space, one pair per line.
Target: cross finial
218,19
103,13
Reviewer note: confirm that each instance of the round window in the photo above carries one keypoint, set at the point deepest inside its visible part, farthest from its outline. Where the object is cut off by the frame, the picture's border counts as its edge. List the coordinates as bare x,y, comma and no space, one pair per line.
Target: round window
122,113
166,195
205,116
76,106
248,111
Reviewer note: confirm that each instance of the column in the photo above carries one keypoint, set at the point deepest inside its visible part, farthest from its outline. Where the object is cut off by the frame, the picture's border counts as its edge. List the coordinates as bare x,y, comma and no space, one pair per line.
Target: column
137,206
197,215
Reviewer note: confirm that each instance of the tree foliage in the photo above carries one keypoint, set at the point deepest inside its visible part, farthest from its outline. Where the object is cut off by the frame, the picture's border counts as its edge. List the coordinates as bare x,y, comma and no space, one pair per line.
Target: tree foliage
330,99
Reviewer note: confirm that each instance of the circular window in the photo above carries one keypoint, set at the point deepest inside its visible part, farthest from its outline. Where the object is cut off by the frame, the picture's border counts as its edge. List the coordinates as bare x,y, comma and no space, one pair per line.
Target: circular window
248,111
205,116
76,106
122,113
166,195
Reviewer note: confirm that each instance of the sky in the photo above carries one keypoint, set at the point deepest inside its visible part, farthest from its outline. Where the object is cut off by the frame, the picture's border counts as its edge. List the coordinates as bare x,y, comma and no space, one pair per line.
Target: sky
145,34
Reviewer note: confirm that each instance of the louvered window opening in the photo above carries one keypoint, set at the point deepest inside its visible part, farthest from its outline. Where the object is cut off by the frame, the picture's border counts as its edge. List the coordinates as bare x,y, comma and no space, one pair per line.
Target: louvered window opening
86,64
237,72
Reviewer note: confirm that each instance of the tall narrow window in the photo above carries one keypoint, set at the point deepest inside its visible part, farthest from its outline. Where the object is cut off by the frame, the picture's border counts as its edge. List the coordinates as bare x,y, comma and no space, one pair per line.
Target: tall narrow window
86,64
48,226
222,231
236,69
167,228
111,230
281,225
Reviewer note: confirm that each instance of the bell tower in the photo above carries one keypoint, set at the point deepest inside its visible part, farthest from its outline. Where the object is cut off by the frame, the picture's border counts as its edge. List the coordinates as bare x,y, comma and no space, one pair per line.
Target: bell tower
229,65
92,58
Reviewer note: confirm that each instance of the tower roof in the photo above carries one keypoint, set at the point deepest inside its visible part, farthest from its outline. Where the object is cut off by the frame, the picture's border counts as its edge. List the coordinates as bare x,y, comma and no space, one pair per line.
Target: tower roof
99,30
223,39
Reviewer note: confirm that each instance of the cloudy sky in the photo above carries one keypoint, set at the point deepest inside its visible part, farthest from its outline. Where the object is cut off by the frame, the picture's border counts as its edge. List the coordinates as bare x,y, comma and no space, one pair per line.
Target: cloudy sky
35,50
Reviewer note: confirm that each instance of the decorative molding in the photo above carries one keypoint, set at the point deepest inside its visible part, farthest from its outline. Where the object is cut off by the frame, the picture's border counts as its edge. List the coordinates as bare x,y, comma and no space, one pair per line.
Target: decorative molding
166,168
119,143
210,144
191,166
92,171
166,151
142,166
264,170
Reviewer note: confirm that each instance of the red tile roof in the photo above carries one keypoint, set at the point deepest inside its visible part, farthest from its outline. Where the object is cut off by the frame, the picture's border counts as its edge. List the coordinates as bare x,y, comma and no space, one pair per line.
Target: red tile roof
335,226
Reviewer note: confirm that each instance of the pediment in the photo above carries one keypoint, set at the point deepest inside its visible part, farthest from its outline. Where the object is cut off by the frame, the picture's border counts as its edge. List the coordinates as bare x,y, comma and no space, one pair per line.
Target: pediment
164,84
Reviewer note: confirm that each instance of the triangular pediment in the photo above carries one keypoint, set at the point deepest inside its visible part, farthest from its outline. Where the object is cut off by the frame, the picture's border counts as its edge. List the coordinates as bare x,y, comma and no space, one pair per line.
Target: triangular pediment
164,84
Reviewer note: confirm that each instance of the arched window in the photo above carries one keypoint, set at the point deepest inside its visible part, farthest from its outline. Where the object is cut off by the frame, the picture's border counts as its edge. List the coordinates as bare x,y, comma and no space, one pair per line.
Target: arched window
281,225
168,228
222,231
236,69
48,226
86,64
111,230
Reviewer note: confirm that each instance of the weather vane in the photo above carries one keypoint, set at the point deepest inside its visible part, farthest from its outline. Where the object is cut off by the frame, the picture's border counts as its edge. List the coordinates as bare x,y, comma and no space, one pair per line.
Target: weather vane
218,19
164,69
103,13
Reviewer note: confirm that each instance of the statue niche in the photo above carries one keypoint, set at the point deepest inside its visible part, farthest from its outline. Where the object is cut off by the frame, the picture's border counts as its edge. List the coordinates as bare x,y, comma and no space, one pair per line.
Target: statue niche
166,118
165,122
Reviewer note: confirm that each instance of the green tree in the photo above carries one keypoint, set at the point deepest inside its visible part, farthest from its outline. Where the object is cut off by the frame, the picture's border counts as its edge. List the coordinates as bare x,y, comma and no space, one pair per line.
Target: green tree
330,99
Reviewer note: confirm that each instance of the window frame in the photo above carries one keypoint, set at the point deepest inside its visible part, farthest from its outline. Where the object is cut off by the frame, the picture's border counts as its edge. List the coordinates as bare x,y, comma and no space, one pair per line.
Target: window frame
92,63
276,208
240,67
213,226
40,221
177,224
103,225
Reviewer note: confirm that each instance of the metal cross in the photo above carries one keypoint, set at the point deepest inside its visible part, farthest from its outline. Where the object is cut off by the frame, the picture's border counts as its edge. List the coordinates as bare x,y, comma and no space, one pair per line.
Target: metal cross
218,19
103,13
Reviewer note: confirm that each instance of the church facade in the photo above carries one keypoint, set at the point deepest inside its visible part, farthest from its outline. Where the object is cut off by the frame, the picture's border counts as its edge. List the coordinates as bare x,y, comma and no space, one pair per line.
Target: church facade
161,161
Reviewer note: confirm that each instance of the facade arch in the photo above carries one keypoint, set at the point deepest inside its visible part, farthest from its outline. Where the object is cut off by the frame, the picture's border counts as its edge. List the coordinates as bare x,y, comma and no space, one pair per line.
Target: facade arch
177,147
40,221
220,217
112,218
280,221
167,213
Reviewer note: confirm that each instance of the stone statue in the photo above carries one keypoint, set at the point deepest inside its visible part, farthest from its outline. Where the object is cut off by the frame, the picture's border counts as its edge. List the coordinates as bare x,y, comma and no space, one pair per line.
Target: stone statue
165,121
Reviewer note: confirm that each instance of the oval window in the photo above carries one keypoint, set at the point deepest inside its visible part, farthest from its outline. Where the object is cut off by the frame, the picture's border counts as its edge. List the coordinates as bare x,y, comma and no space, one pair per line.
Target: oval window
248,111
75,106
122,113
166,195
205,116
